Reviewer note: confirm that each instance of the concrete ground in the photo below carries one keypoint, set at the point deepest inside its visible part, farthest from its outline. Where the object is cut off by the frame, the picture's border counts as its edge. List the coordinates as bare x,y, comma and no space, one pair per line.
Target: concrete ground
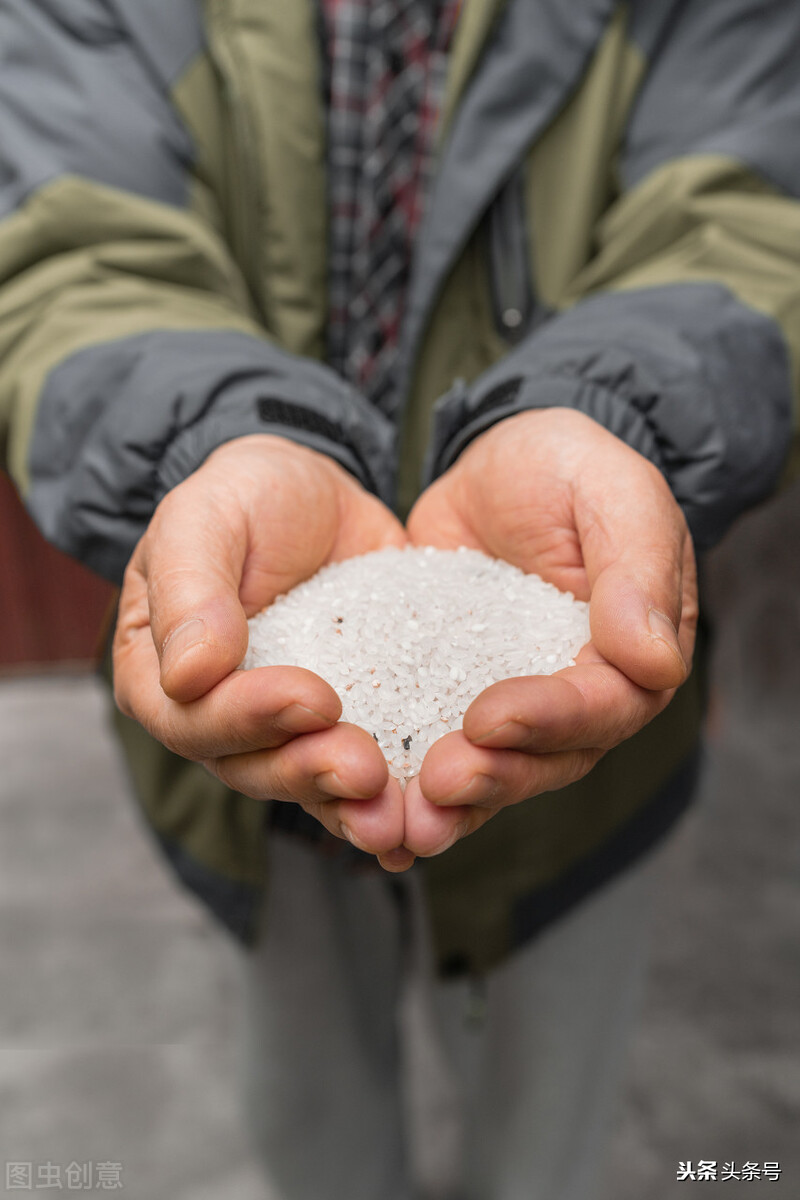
118,999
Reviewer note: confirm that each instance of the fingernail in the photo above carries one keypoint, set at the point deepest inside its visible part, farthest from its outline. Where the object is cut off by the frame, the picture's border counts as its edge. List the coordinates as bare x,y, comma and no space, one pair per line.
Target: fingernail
479,789
296,718
190,634
329,781
511,733
460,831
348,833
662,628
396,860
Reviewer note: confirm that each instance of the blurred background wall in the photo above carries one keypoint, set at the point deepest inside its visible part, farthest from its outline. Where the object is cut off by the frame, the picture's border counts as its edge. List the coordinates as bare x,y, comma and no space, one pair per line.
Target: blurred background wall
118,999
53,610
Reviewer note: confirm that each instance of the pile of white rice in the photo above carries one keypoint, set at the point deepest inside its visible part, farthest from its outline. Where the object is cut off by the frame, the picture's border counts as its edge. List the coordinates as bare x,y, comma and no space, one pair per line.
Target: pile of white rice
408,638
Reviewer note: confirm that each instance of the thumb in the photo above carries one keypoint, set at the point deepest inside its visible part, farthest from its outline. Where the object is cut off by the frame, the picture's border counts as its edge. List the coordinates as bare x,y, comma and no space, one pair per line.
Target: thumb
634,626
636,575
193,570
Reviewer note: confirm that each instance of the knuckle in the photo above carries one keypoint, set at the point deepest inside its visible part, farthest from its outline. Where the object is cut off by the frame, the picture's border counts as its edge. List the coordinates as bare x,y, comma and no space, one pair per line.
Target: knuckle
122,686
212,766
581,763
235,727
618,732
238,781
580,726
569,767
327,815
176,738
662,491
284,781
627,724
133,568
122,699
228,775
598,722
255,775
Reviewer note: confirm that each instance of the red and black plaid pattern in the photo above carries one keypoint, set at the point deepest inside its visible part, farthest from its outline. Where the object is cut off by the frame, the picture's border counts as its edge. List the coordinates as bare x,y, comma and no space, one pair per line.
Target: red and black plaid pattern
386,66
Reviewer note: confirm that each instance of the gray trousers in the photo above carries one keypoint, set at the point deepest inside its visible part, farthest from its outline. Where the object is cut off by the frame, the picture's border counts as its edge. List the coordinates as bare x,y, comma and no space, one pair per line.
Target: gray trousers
366,1078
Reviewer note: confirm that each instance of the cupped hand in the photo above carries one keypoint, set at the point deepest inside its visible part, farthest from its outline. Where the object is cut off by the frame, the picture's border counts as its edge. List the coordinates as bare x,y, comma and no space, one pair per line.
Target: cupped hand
261,515
554,493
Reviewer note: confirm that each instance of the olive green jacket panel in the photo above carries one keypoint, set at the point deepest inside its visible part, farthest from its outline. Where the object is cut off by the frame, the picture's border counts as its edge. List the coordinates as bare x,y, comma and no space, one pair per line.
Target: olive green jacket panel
74,274
268,58
704,219
571,173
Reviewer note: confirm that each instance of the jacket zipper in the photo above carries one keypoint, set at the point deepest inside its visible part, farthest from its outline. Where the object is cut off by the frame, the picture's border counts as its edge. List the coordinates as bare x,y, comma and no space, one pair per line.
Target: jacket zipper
513,303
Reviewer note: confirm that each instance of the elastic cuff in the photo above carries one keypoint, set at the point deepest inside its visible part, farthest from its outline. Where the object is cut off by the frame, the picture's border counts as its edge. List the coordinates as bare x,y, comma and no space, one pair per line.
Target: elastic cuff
460,417
193,445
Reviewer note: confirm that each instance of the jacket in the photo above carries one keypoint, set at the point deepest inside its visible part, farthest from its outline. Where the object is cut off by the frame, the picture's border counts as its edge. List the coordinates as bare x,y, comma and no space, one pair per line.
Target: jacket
614,226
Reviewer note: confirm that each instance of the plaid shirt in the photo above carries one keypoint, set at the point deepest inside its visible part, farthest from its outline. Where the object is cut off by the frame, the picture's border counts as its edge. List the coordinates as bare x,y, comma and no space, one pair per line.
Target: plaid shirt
385,73
386,67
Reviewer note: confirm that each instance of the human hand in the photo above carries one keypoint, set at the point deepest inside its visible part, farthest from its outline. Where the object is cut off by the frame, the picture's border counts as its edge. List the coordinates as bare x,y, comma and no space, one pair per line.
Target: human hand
258,517
553,492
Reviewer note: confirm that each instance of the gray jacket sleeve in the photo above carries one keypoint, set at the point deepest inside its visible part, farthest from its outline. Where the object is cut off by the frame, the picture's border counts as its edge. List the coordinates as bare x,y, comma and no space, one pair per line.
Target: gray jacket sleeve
130,344
683,333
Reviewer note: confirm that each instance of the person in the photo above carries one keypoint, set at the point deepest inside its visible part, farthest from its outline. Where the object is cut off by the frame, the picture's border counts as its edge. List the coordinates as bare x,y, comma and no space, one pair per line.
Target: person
280,285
